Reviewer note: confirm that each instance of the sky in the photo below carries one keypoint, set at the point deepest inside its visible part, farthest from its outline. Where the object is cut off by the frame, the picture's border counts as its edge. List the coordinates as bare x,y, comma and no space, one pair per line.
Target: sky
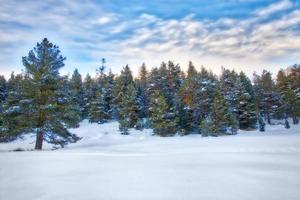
248,35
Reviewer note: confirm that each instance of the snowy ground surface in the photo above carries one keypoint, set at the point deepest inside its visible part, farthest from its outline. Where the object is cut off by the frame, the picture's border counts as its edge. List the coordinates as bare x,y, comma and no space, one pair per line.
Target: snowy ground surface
105,165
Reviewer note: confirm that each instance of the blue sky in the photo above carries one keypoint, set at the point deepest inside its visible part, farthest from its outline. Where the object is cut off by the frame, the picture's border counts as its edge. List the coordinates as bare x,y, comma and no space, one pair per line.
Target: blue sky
248,35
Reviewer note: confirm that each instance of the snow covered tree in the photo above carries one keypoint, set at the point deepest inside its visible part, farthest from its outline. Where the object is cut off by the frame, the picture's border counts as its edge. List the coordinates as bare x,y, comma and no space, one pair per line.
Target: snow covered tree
142,91
163,79
128,109
268,97
205,126
72,116
246,109
109,98
188,92
13,122
290,101
45,105
77,92
3,96
122,83
98,107
3,90
89,94
97,112
221,117
162,118
204,95
228,81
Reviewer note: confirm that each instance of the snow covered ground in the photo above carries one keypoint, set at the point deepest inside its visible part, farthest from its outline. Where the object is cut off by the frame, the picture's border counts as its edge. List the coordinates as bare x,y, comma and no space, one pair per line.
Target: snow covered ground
105,165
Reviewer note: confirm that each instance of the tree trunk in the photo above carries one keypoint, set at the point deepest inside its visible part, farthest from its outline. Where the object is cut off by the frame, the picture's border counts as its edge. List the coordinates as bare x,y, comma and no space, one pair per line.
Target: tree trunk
39,140
295,120
268,118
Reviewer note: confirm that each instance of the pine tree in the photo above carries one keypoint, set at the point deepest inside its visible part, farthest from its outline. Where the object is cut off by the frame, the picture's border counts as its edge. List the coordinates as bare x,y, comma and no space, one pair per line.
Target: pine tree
246,109
221,117
3,96
162,120
3,90
290,101
77,92
229,89
98,108
188,94
88,86
13,122
109,98
205,126
204,95
97,112
122,82
72,116
128,110
142,91
268,97
45,105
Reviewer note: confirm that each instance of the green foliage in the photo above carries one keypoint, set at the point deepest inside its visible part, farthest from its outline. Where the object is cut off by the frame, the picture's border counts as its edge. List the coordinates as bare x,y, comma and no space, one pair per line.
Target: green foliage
162,120
128,110
38,101
220,115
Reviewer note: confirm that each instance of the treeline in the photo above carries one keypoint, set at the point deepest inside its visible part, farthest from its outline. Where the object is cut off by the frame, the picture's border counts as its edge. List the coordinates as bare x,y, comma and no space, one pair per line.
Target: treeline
163,98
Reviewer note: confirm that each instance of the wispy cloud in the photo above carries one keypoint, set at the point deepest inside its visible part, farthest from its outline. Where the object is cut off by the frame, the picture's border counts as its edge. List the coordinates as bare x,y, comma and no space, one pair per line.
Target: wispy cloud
87,31
276,7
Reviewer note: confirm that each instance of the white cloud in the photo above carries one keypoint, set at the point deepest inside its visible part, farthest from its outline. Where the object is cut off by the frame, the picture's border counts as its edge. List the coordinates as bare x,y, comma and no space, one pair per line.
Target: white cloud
276,7
238,43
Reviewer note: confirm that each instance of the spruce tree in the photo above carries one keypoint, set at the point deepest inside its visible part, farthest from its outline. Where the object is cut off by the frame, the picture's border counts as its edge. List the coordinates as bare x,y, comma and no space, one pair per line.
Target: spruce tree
122,82
128,109
221,117
3,96
204,95
188,94
3,90
97,112
267,96
142,91
109,98
13,122
290,101
246,109
88,86
162,120
77,92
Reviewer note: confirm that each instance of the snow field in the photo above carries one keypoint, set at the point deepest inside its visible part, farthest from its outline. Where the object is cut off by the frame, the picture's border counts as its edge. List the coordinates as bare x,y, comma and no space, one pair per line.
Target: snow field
108,166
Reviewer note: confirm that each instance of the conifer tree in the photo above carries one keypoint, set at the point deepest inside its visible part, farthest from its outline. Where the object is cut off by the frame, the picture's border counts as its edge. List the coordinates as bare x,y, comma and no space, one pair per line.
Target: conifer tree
267,95
3,90
221,117
12,119
3,96
142,91
162,120
109,98
188,92
128,109
97,112
290,101
204,95
122,83
77,92
72,116
88,86
246,109
44,104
